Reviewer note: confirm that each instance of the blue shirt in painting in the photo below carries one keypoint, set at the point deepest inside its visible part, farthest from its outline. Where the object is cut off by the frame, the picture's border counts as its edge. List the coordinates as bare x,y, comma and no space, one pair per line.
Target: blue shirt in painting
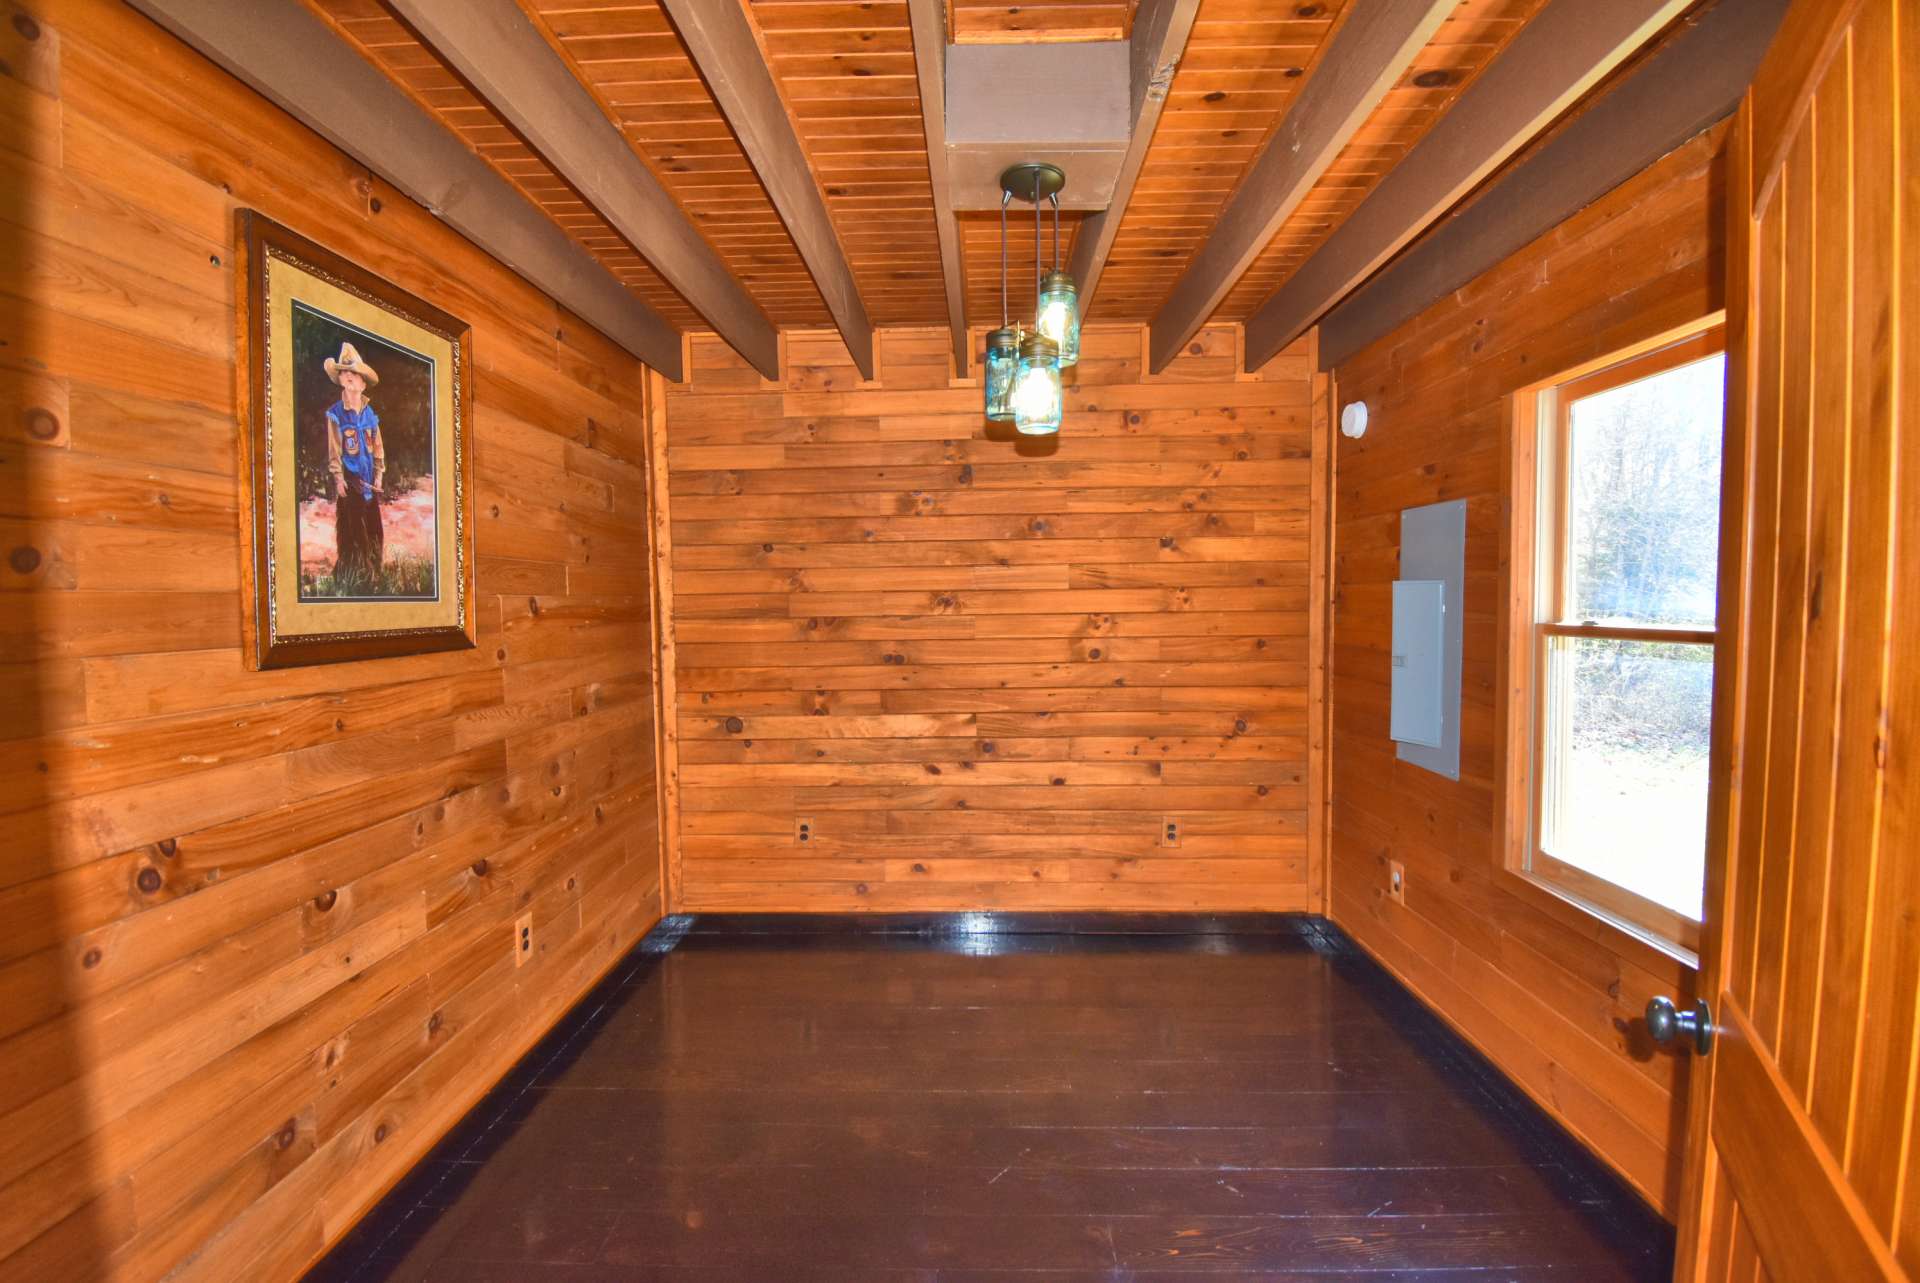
357,434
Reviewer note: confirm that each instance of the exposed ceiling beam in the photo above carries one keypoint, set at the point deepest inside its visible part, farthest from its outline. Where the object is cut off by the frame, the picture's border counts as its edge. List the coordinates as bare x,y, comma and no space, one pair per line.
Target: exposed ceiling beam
1368,53
726,49
295,60
1160,31
1696,79
929,18
1566,49
508,62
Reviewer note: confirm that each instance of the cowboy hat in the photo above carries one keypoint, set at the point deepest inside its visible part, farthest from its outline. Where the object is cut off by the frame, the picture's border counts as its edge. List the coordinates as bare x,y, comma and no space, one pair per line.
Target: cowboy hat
350,360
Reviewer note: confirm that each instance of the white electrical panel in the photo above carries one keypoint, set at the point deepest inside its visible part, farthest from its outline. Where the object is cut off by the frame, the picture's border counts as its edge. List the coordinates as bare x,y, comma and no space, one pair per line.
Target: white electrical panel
1416,710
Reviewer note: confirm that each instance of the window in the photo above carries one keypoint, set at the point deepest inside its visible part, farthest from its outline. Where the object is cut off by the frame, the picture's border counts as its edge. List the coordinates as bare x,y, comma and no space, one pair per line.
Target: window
1615,558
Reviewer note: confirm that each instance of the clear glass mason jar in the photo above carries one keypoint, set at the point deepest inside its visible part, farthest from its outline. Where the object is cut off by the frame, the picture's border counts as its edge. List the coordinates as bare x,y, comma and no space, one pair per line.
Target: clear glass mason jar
1058,317
1036,387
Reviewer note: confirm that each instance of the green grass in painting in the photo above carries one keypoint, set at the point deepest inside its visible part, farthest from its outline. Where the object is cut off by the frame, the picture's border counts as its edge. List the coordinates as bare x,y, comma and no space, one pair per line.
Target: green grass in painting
404,577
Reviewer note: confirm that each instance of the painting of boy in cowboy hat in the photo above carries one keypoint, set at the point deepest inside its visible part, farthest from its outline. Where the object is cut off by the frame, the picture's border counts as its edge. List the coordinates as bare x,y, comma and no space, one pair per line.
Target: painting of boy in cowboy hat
356,398
357,462
366,474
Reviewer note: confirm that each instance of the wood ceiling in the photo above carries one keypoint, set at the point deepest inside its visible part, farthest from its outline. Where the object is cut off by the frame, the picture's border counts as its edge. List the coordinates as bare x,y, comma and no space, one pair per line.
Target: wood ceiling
845,71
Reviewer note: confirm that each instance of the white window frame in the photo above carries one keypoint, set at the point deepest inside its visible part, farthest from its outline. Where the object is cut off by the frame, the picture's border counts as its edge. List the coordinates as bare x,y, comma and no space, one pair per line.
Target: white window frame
1537,580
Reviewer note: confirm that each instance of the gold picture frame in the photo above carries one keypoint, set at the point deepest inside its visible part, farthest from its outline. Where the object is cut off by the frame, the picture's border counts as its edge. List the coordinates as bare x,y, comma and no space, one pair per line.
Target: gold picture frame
354,407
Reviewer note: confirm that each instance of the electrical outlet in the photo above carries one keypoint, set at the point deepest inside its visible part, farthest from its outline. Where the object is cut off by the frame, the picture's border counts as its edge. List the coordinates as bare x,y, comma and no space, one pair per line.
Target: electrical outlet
1170,832
1397,881
522,939
803,831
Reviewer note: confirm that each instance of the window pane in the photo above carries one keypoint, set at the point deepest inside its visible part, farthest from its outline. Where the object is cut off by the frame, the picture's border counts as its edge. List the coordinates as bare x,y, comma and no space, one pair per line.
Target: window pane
1644,494
1626,763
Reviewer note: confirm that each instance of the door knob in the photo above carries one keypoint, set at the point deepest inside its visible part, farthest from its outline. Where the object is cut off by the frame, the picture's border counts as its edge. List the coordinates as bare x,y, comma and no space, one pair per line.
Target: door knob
1690,1030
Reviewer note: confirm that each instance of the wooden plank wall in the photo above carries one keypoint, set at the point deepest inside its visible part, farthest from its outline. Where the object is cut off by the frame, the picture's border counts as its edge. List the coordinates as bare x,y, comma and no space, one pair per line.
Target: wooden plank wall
1548,995
255,928
988,672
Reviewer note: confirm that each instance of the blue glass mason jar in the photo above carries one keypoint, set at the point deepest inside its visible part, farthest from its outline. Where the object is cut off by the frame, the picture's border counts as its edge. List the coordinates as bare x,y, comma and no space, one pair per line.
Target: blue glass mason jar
1003,354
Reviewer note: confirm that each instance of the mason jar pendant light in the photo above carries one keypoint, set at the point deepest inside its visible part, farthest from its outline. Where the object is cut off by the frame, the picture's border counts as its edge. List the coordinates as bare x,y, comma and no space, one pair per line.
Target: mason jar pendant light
1003,353
1023,364
1036,387
1059,317
1003,344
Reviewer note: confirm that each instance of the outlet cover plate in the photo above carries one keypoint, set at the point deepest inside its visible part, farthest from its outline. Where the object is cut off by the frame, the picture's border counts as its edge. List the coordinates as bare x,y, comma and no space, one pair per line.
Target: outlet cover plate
522,939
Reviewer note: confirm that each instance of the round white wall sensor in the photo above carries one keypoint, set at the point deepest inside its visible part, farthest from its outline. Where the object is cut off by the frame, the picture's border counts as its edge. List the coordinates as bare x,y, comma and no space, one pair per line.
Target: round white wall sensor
1353,419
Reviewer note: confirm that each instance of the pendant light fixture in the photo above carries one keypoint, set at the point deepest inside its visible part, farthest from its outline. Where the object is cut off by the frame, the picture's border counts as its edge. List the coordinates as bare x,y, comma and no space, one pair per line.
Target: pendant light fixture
1003,344
1056,312
1036,387
1059,317
1003,353
1023,363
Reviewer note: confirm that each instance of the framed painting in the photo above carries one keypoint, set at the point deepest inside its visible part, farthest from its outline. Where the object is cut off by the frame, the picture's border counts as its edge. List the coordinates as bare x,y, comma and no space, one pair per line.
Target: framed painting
355,397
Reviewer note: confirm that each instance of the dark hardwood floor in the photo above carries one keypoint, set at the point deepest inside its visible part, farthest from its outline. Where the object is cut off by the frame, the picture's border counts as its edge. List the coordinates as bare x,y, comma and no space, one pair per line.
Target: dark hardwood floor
984,1097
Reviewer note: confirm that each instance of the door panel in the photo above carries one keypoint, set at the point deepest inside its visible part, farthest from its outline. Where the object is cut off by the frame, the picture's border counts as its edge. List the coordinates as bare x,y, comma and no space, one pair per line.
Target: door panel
1801,1166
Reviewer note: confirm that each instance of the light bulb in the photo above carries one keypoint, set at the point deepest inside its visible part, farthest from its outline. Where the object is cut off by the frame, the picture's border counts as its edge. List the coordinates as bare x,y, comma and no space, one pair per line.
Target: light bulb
1058,316
1033,396
1053,319
1036,387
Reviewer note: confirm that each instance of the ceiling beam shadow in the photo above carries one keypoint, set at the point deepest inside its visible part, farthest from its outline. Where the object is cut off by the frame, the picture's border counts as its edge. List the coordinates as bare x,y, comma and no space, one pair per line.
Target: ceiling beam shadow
1376,43
1695,80
1160,31
726,49
929,19
1568,47
499,52
296,61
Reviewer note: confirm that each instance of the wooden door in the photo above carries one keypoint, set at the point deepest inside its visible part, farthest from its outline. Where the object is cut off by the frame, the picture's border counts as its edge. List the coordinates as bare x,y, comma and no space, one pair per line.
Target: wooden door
1803,1159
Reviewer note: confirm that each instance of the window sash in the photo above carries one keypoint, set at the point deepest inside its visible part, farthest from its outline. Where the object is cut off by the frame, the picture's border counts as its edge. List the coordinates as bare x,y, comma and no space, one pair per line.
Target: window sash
1548,759
1631,632
1559,511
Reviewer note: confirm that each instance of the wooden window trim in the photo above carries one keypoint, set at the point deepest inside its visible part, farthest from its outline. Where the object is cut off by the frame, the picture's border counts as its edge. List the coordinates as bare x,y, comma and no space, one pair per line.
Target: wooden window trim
1582,901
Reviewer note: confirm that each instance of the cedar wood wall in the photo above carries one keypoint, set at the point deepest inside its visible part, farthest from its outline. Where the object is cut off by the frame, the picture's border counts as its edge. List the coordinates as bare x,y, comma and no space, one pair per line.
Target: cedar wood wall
255,927
1546,991
987,672
317,1034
